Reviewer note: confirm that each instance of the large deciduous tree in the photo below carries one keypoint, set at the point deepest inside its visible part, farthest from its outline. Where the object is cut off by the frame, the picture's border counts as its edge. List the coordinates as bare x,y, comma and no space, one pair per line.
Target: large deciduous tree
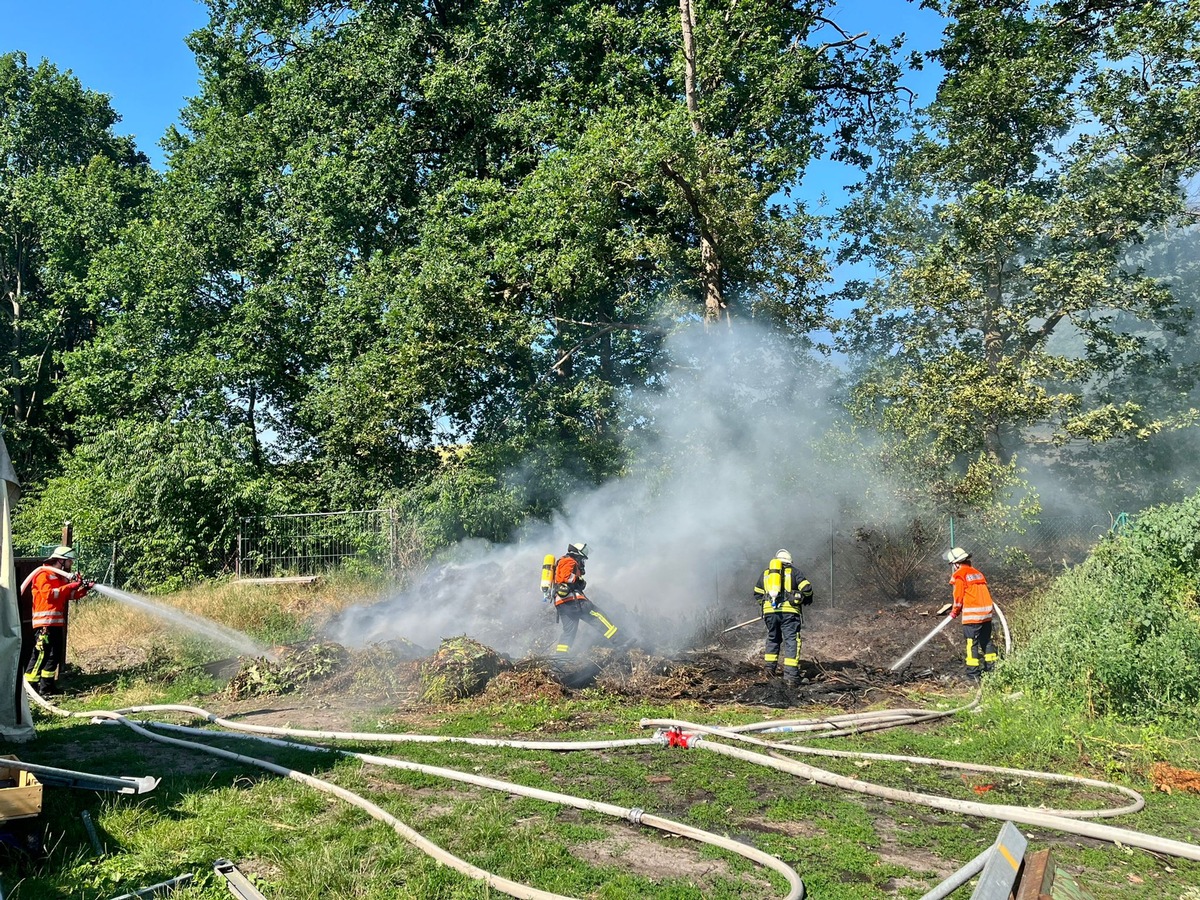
471,223
1014,316
68,184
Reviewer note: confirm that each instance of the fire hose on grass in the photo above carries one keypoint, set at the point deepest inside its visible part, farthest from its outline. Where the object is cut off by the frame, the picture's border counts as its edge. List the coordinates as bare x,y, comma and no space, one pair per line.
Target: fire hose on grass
1061,820
1054,820
513,889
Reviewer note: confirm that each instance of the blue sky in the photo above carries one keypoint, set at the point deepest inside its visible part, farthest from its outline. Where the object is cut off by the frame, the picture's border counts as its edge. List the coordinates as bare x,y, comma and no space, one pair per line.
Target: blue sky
134,50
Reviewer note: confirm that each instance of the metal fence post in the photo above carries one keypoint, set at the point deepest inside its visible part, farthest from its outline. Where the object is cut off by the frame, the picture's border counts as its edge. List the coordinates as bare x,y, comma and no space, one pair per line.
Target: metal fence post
832,604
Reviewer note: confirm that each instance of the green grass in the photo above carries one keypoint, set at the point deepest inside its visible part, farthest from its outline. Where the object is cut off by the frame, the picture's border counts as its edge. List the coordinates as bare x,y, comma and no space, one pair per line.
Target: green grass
298,843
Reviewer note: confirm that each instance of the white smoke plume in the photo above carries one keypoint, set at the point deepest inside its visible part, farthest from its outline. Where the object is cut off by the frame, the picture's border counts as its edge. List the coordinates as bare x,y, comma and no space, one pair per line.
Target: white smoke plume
725,475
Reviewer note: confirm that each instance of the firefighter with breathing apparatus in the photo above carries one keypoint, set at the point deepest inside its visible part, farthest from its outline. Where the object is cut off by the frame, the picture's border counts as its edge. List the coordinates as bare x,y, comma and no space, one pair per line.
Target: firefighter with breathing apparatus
783,592
565,586
53,587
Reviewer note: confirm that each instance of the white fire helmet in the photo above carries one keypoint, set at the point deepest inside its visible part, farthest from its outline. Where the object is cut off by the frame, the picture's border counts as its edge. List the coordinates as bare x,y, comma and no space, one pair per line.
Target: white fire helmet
783,556
956,555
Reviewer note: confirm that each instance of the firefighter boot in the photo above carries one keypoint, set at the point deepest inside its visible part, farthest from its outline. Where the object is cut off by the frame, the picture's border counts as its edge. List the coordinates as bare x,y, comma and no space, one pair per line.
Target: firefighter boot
47,687
770,671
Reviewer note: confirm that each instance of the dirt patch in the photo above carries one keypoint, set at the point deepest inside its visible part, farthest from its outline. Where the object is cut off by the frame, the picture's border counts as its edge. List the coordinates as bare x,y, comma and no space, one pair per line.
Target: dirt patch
915,859
791,829
641,855
844,663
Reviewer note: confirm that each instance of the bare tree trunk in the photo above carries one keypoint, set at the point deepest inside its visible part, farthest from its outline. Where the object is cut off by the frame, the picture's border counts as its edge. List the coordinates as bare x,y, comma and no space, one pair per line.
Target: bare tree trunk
255,447
993,348
687,18
18,394
710,253
710,277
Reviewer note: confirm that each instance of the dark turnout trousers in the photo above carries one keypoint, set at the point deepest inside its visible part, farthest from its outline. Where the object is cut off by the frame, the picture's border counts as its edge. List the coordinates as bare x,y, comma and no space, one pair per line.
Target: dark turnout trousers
981,652
571,613
783,642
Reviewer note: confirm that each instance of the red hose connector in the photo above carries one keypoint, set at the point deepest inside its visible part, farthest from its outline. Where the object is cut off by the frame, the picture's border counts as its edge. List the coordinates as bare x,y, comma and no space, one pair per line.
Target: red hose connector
677,737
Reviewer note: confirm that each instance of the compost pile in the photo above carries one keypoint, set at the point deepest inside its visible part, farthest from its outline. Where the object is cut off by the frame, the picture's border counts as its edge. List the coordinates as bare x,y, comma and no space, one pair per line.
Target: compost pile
845,657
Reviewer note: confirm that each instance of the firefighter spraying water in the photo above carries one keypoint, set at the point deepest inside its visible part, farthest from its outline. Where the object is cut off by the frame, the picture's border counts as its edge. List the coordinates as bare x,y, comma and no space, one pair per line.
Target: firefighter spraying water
53,587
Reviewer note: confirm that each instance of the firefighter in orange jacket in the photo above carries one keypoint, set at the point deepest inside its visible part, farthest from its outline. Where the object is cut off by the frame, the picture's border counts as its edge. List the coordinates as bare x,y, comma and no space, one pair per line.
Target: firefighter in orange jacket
53,587
571,604
783,592
973,601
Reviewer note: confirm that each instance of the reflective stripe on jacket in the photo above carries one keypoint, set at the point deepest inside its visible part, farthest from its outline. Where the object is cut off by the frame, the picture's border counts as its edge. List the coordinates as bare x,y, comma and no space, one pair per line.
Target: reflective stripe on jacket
971,595
796,591
51,592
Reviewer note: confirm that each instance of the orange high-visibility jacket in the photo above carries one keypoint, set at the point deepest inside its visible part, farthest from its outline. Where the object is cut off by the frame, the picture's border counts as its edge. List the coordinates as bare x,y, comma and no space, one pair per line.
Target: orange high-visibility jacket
568,572
971,596
51,592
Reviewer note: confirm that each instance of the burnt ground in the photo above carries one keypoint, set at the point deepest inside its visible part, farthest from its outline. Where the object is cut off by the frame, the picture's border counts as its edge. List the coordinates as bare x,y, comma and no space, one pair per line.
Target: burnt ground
844,663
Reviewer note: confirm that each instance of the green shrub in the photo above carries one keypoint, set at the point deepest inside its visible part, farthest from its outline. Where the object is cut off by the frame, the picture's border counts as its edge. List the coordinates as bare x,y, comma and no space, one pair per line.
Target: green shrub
1120,634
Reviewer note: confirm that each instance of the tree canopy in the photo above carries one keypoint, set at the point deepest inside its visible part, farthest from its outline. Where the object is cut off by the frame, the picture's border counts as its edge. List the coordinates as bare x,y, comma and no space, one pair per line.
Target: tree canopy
426,254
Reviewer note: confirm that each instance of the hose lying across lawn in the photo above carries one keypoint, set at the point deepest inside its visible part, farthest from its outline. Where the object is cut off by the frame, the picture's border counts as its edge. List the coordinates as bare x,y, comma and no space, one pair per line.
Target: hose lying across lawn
512,888
672,733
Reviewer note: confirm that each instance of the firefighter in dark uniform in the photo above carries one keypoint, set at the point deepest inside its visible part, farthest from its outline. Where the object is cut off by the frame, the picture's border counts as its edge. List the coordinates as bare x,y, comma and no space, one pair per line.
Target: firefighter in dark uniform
571,604
783,592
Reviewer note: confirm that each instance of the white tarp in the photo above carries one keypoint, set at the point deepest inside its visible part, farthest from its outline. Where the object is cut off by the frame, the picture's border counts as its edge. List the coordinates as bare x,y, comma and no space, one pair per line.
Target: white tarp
15,723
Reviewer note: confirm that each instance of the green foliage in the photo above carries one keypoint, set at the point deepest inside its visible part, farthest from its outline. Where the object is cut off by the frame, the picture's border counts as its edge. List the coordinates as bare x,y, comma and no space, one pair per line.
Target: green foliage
396,229
68,185
295,668
461,668
1013,314
463,499
169,493
1120,634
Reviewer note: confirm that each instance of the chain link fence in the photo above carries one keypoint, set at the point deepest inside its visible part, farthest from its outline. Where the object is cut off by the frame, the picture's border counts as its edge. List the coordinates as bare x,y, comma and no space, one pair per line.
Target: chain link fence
897,562
317,543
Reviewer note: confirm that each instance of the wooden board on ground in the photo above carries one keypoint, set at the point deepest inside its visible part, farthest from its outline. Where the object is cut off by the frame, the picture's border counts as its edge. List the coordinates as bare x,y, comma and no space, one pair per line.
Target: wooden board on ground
21,797
288,579
1043,879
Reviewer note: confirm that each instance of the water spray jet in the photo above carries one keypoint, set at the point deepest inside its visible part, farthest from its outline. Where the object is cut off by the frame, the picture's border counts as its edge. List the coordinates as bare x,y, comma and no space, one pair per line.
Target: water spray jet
215,632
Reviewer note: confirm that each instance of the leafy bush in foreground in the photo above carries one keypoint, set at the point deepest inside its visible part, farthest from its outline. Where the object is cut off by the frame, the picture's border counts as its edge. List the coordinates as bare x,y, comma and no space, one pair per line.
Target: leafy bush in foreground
1120,634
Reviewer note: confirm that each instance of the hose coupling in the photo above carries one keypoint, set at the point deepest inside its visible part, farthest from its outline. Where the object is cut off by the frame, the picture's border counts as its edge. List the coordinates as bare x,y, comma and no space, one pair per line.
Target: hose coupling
676,737
635,815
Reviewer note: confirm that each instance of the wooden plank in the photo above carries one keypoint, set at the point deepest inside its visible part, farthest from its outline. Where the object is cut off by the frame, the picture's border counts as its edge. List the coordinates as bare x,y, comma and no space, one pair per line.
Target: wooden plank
289,579
1065,887
1036,877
